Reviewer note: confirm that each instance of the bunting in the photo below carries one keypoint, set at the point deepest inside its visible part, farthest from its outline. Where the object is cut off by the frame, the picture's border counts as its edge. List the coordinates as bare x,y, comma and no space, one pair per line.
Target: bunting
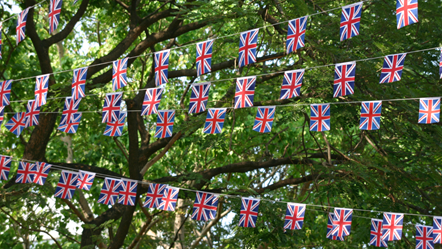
249,212
72,126
330,229
85,180
429,110
437,229
291,84
110,191
54,14
370,115
203,206
294,216
247,47
41,172
296,34
66,185
440,65
320,117
344,79
111,107
119,74
2,113
350,19
264,119
170,197
392,68
161,61
151,101
154,194
25,173
342,222
79,83
5,92
406,12
392,226
245,91
21,25
199,97
424,237
128,192
17,123
115,129
41,89
32,113
203,57
165,120
376,238
215,120
5,167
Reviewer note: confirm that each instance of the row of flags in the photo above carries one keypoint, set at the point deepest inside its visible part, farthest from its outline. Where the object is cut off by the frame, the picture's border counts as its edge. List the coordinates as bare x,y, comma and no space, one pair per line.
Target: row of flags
164,197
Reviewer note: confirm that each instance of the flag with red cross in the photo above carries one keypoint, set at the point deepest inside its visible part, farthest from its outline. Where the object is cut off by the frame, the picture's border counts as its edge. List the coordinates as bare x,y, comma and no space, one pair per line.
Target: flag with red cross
5,167
110,191
350,20
291,84
296,34
294,216
111,107
161,63
41,172
199,97
119,74
249,212
54,14
128,192
203,57
85,180
406,12
5,92
32,113
17,123
151,101
247,47
66,185
154,194
21,25
170,197
25,173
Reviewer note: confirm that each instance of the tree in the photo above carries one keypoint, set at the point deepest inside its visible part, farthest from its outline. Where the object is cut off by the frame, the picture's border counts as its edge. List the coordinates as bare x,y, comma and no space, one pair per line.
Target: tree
396,168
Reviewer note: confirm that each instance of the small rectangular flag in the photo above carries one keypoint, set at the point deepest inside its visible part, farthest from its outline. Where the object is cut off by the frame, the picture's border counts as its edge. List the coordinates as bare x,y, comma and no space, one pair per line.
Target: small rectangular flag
73,124
245,91
151,101
320,117
392,226
21,25
249,212
215,120
79,83
110,191
128,192
429,110
376,234
85,180
41,89
5,167
119,74
247,47
342,222
203,57
161,60
330,229
66,185
32,113
344,83
41,172
199,97
17,123
296,34
350,20
294,216
291,84
424,237
264,119
406,12
54,14
203,207
70,108
25,173
5,92
154,194
170,197
370,115
437,229
392,68
111,107
165,121
115,129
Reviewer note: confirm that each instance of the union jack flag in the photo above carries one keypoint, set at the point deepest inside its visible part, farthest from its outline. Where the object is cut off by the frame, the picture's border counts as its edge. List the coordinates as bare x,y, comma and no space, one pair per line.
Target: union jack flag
5,167
203,57
370,115
21,25
344,79
247,47
245,91
342,222
25,173
291,84
440,65
17,123
165,122
330,229
170,197
199,97
155,193
215,201
70,108
128,192
54,14
79,82
119,74
32,113
249,212
215,120
111,107
41,172
2,113
424,237
5,92
296,34
376,234
85,180
1,28
392,68
392,226
66,185
437,229
203,206
264,119
406,13
161,67
350,19
110,191
115,129
73,124
320,117
294,216
151,101
429,110
41,89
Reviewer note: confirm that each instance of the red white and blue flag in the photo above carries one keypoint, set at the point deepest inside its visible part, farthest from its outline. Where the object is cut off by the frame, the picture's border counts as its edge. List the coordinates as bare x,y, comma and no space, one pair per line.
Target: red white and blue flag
376,234
296,34
85,180
429,110
203,57
151,101
79,83
264,119
73,124
154,194
66,185
17,123
2,113
392,68
215,120
370,115
41,89
291,84
320,117
111,107
70,108
249,212
161,60
128,192
41,172
437,229
245,91
170,197
294,216
330,229
21,25
406,13
342,222
32,113
344,83
424,237
54,14
110,191
115,129
392,226
350,20
25,173
199,97
247,47
165,120
5,167
203,206
5,92
119,74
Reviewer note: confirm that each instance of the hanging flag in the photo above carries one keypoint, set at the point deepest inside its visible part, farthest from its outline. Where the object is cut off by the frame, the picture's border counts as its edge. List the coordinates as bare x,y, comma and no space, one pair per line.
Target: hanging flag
5,92
437,227
128,192
170,197
66,185
342,222
296,34
215,120
245,91
370,115
215,201
344,83
54,14
247,47
41,89
151,101
291,84
161,67
17,123
376,234
79,83
2,113
392,226
32,113
203,57
25,173
21,25
41,172
424,237
69,109
406,12
294,216
330,229
350,19
440,65
110,191
165,120
5,167
264,119
85,180
111,107
202,207
249,212
320,117
1,28
392,68
119,74
73,124
115,129
199,97
154,194
429,110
